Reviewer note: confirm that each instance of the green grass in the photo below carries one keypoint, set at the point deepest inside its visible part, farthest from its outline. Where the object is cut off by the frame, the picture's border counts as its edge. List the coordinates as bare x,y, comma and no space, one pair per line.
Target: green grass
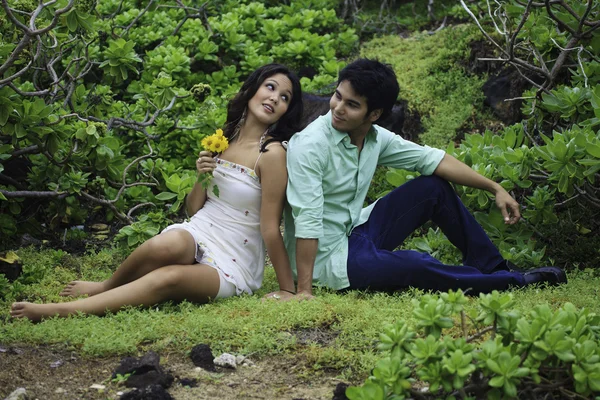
244,325
433,79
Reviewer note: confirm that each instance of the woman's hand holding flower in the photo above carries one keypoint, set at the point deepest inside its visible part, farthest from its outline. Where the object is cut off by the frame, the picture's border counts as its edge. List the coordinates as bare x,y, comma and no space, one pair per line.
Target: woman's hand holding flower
205,164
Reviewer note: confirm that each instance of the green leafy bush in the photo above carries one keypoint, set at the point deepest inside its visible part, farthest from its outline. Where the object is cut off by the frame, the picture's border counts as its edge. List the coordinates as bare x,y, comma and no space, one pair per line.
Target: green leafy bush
508,354
549,161
109,117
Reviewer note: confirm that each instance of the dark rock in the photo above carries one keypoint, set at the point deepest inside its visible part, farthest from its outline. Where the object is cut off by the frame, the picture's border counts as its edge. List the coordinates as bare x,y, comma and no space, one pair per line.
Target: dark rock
507,84
314,107
400,121
152,392
340,391
191,382
482,49
10,265
412,126
28,240
202,357
395,121
145,371
308,72
150,378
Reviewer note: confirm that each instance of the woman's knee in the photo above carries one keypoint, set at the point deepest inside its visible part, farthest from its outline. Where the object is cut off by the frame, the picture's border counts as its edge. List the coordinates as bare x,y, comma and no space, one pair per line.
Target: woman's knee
172,247
166,279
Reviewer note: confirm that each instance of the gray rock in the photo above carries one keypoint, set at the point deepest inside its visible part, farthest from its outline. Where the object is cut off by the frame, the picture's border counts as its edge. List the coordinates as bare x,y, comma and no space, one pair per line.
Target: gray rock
226,360
19,394
248,363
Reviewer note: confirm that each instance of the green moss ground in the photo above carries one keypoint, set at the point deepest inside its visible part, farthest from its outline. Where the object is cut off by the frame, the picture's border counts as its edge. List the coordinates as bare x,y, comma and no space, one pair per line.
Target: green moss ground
433,79
335,331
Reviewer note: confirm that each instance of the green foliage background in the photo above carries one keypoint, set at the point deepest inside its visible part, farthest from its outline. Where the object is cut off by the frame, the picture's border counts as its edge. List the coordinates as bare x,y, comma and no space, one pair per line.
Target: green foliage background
117,118
102,110
113,127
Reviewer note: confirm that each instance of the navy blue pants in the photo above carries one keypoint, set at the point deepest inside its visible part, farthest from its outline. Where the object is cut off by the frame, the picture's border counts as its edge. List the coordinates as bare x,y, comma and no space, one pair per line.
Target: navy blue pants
373,263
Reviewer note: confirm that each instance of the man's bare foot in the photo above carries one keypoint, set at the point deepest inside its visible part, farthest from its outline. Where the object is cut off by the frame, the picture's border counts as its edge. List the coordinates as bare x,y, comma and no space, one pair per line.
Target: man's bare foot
78,288
35,312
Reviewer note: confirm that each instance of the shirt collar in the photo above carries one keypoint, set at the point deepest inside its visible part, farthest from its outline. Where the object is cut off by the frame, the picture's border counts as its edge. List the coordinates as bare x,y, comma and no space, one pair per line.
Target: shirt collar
338,136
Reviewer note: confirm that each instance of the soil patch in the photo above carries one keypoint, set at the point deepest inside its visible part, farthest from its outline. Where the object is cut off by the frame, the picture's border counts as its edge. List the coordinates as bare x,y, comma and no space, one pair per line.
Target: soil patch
52,373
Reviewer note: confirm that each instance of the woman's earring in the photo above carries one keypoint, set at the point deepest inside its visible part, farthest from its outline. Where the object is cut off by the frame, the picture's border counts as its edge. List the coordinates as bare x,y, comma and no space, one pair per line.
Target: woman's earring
243,118
240,123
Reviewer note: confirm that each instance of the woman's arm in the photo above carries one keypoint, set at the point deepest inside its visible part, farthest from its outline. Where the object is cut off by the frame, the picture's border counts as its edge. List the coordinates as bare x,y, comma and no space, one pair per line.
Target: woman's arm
273,177
196,198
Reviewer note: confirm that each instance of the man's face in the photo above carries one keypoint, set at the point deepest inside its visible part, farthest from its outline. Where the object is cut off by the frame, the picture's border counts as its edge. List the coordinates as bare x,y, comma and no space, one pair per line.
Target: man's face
349,110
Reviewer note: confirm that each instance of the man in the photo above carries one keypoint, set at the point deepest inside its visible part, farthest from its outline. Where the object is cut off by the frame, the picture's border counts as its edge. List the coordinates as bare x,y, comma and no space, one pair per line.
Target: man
333,242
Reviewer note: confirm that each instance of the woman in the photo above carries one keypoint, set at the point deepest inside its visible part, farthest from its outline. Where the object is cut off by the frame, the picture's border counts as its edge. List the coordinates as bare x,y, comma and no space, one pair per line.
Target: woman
219,252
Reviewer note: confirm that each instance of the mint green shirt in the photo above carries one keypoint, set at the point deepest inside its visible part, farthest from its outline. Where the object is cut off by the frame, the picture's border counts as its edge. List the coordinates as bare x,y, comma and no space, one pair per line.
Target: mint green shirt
328,182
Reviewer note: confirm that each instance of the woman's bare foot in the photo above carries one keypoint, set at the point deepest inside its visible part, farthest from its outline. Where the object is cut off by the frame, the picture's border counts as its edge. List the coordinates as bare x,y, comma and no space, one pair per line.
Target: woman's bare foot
35,312
78,288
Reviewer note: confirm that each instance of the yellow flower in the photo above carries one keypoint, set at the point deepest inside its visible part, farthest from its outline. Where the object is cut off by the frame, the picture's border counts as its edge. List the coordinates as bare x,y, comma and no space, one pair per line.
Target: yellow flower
207,143
216,143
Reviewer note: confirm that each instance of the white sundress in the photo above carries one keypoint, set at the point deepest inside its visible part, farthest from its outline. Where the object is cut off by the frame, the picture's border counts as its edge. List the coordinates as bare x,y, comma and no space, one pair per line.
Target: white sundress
227,228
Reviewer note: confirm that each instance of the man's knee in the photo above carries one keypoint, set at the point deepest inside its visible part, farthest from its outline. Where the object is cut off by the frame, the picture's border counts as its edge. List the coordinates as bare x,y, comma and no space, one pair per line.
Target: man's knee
432,181
428,184
425,184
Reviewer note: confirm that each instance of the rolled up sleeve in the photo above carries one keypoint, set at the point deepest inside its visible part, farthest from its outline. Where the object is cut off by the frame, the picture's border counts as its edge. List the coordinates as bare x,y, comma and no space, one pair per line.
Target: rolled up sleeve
399,153
305,163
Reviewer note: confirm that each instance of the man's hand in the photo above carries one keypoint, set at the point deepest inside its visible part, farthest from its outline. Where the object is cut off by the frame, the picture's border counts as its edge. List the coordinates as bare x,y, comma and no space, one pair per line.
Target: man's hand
280,295
508,207
456,171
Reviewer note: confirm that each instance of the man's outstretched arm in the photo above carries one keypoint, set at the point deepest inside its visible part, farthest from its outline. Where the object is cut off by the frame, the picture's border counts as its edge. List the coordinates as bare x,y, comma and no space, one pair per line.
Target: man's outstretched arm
460,173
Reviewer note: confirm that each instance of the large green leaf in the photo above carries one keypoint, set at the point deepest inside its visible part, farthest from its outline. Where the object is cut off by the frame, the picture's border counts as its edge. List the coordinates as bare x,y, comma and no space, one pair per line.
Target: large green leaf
164,196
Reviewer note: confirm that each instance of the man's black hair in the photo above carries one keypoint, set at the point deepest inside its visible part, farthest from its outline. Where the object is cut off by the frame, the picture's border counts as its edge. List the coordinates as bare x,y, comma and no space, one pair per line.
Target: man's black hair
373,80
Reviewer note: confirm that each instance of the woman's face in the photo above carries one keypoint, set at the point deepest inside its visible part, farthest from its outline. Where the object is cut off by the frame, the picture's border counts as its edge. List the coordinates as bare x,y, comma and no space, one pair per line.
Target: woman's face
271,100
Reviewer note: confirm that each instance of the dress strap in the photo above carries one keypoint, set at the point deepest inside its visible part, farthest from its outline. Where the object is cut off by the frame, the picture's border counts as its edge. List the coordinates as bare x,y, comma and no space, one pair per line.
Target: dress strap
262,152
259,156
256,163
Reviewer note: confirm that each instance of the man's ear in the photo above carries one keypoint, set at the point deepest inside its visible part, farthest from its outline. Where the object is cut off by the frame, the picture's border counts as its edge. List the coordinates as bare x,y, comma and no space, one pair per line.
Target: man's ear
375,114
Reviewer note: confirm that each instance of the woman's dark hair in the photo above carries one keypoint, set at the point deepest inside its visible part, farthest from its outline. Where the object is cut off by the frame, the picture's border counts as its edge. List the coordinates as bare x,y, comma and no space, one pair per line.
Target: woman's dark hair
373,80
287,125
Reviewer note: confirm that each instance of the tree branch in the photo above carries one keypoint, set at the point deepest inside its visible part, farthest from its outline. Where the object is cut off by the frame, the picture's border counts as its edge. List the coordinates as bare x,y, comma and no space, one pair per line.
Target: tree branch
30,194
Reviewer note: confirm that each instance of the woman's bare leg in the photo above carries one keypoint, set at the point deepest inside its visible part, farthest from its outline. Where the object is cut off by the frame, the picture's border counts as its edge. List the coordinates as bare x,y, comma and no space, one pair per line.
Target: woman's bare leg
198,283
174,247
